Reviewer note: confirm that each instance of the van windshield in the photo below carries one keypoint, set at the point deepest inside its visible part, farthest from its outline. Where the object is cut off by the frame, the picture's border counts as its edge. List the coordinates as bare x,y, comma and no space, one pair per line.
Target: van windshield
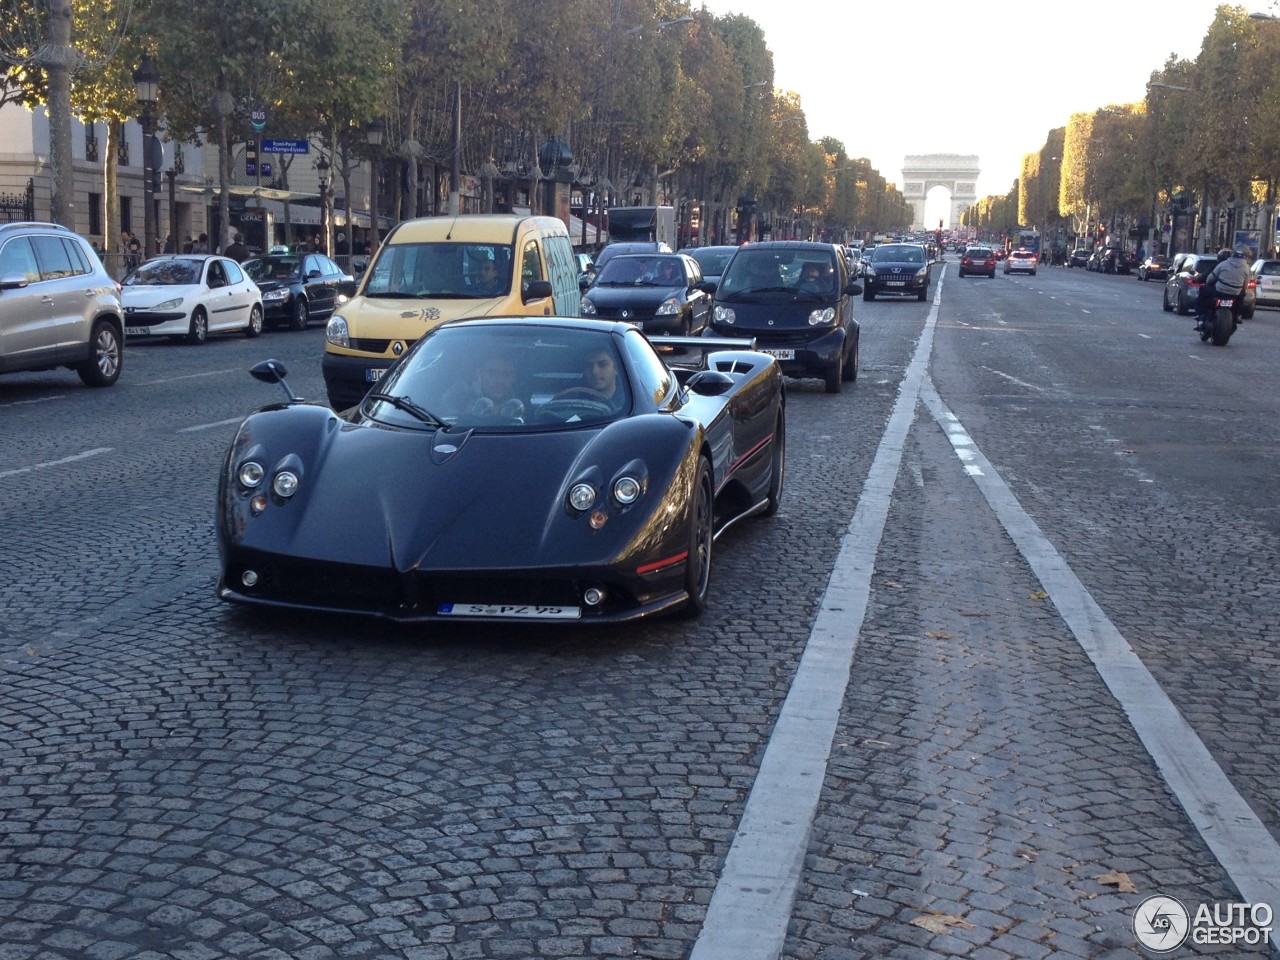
441,271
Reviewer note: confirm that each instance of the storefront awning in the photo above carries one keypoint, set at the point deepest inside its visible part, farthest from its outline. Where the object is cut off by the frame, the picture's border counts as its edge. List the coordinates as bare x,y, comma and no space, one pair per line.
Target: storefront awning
595,236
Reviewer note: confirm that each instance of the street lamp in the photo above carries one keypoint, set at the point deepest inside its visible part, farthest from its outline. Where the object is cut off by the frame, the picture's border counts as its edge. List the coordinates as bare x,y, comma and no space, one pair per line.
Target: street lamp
374,132
146,82
322,174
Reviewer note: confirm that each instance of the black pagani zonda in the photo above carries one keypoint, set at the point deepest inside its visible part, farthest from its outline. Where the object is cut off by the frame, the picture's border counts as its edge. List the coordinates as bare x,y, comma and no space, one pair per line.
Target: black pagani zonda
534,469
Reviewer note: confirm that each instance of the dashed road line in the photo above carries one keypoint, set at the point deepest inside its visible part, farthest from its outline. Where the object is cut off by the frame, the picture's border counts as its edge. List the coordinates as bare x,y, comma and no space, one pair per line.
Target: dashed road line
55,463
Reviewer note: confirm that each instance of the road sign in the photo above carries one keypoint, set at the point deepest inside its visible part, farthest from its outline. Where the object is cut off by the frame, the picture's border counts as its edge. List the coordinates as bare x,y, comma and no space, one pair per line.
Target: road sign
286,146
258,117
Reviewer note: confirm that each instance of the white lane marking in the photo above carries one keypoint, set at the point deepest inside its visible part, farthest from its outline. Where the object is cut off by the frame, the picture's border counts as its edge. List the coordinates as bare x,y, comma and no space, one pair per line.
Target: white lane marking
1083,310
752,902
190,376
210,426
1238,839
26,403
1012,379
1145,336
55,463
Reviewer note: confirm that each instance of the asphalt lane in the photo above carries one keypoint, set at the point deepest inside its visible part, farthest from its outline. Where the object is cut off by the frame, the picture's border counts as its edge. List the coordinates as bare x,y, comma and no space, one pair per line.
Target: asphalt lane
181,778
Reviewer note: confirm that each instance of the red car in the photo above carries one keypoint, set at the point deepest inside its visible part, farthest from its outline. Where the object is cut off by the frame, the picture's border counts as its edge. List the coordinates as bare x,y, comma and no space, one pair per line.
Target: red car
980,260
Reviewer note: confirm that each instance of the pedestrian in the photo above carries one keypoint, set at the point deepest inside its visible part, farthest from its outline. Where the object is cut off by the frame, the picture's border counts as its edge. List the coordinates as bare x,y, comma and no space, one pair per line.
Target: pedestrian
342,248
236,250
168,243
201,245
188,245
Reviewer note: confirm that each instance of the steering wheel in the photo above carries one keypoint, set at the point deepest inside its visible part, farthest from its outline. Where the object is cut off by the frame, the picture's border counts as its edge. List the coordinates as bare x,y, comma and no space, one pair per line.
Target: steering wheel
576,401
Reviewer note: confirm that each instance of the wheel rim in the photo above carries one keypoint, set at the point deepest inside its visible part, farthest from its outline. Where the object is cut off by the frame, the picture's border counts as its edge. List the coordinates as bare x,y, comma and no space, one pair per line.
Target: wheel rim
107,348
300,314
200,326
702,548
255,320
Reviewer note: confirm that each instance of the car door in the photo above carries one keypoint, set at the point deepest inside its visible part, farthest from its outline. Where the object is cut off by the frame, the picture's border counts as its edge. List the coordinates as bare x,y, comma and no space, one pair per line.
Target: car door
220,298
244,292
62,281
321,276
27,312
699,300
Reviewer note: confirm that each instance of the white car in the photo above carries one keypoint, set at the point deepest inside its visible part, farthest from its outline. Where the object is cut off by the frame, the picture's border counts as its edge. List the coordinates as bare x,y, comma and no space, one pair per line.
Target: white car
1021,261
1267,273
190,296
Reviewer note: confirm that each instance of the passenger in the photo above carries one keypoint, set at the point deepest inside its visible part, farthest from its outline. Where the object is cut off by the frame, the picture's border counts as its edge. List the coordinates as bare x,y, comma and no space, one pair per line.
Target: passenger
491,391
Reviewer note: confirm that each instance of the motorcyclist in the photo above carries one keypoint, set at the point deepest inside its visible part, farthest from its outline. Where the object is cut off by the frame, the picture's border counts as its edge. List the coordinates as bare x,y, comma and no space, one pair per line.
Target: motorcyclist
1228,278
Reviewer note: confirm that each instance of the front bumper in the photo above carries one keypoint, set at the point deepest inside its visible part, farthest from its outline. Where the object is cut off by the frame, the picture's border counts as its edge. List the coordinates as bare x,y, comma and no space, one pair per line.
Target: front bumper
799,353
143,323
897,283
348,379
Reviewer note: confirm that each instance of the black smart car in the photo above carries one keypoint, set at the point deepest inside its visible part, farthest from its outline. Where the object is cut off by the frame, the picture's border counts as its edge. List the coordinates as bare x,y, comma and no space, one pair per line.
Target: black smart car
795,298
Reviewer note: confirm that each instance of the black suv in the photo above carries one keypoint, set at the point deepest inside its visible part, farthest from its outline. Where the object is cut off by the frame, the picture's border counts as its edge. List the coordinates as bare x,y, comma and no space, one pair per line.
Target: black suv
58,305
795,298
901,268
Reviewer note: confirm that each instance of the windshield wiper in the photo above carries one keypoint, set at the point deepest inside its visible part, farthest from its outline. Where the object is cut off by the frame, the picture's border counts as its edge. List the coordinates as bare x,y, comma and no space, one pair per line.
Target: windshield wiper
408,406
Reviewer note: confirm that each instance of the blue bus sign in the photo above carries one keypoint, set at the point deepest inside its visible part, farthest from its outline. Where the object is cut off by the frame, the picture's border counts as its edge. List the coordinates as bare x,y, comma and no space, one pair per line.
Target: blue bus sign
286,146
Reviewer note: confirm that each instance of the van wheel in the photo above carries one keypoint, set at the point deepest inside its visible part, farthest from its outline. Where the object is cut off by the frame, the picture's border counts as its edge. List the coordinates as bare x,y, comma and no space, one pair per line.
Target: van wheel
102,369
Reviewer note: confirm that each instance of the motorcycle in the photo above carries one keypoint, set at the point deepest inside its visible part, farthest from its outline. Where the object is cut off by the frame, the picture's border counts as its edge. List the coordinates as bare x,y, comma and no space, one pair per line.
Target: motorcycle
1222,320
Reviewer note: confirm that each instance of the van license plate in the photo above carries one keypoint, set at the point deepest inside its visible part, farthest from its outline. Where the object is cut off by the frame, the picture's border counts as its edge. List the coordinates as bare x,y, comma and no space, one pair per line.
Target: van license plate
374,373
779,354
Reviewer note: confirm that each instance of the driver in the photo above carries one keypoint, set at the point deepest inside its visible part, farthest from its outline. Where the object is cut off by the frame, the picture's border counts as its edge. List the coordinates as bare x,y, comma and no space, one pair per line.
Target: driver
487,281
599,381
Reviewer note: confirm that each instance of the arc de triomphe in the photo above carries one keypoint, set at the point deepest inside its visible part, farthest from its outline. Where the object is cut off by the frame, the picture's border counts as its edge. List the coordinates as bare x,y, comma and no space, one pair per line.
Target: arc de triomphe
921,173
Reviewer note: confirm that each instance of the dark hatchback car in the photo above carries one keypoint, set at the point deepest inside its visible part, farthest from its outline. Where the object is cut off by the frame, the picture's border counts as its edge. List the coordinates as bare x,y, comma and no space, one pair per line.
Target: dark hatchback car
296,288
712,260
659,293
899,268
980,261
796,299
1154,268
1079,258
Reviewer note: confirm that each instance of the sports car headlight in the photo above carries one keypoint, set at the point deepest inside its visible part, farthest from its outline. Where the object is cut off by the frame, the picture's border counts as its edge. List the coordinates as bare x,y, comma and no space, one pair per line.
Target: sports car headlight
626,490
285,484
587,307
725,315
669,307
582,496
822,317
251,474
173,304
336,331
283,293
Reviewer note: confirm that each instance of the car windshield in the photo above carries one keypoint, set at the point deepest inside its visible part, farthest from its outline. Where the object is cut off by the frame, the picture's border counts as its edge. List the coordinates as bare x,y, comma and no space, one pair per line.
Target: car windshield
711,261
506,378
165,273
777,275
272,268
440,271
636,271
898,254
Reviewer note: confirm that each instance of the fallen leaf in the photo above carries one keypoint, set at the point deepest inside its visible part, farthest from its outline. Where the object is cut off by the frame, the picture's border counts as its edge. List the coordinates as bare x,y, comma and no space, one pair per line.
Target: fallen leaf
1039,595
939,922
1026,854
1118,880
938,634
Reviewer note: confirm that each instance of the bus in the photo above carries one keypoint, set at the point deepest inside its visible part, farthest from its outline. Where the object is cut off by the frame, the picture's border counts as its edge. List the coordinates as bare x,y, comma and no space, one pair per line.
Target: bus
1028,240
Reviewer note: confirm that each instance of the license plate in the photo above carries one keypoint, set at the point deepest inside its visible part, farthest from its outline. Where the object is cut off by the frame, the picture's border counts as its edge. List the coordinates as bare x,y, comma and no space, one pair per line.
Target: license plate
374,373
136,331
521,611
780,354
1224,303
895,283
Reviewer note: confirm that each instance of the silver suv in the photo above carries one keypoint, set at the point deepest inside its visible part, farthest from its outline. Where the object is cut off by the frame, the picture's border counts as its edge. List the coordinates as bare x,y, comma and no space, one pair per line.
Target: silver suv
58,305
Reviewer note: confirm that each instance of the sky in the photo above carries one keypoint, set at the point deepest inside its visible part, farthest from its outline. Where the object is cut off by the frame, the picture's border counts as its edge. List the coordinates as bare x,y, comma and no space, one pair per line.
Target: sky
984,79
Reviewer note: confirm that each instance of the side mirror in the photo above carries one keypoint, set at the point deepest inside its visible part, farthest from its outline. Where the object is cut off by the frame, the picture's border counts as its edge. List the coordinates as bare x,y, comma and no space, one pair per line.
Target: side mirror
708,286
313,275
709,383
347,288
13,281
584,282
852,289
536,290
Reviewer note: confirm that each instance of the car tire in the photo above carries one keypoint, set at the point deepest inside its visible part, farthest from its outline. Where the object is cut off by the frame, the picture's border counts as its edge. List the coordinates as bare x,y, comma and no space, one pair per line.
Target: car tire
1246,314
923,295
1164,301
199,330
1183,310
868,294
697,567
106,356
254,329
1033,273
831,377
777,466
300,315
850,369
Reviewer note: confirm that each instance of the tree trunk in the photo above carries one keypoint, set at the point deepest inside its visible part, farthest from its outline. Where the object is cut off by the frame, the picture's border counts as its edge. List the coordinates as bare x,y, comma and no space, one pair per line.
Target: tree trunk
111,187
57,57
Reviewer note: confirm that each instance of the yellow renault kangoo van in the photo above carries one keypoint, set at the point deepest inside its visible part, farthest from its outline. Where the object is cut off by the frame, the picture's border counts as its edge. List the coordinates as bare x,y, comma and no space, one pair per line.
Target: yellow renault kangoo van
435,269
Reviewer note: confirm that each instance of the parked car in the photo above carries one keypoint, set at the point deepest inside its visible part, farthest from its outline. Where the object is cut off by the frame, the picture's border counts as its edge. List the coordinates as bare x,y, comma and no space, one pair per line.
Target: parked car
1021,261
1154,268
897,268
1266,275
578,506
711,260
809,327
1183,286
58,305
978,260
657,292
1079,258
297,288
190,296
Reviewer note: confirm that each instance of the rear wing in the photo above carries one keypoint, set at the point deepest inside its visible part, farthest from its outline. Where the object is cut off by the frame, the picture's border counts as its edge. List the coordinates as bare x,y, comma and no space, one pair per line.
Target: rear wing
691,352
